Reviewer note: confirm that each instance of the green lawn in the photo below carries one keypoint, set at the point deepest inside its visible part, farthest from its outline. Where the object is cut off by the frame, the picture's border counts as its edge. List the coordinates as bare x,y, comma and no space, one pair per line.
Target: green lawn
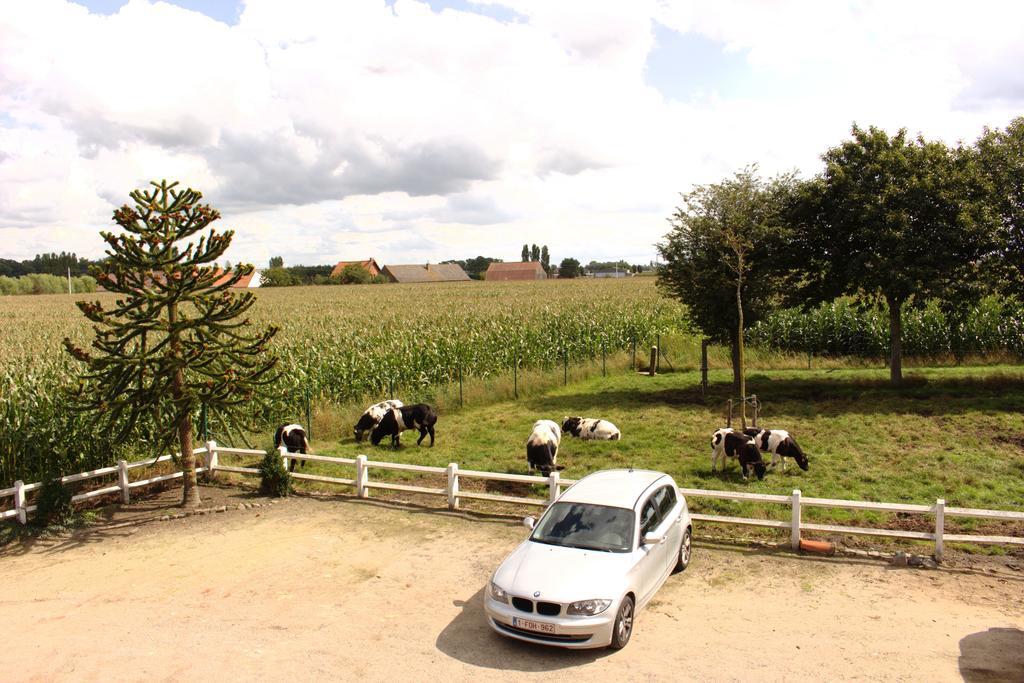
956,433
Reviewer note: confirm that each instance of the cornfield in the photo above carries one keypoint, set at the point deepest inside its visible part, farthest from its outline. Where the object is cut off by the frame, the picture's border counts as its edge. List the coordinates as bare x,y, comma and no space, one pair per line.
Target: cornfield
841,328
336,344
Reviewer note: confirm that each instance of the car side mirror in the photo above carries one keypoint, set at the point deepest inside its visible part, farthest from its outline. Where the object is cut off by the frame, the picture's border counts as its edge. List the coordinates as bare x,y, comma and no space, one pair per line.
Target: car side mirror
654,539
529,522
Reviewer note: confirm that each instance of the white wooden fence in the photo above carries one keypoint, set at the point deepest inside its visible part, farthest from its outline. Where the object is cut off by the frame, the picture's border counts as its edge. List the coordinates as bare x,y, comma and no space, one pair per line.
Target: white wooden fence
362,484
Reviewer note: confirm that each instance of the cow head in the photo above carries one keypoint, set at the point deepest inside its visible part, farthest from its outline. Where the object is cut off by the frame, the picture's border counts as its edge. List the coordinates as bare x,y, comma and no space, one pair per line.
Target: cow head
801,460
759,469
571,425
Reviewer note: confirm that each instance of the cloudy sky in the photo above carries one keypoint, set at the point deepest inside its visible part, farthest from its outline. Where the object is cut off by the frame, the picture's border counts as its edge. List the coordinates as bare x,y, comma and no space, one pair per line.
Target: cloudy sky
418,131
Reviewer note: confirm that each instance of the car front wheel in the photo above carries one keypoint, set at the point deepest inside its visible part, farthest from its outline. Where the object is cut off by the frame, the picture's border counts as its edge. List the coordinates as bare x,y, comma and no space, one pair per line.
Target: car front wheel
685,547
623,624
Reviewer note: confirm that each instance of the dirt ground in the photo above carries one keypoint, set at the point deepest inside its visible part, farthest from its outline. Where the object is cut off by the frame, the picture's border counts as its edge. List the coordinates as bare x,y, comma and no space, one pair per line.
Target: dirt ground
345,589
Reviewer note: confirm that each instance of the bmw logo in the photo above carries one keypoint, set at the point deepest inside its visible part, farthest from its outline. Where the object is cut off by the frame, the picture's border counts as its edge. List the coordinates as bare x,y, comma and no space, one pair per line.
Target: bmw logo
536,594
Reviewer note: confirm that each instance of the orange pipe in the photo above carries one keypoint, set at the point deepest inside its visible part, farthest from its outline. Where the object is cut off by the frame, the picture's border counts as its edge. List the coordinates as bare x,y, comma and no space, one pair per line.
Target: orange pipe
822,547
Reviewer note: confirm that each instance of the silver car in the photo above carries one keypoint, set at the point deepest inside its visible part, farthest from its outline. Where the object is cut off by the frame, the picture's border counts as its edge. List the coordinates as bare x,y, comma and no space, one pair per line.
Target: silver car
594,559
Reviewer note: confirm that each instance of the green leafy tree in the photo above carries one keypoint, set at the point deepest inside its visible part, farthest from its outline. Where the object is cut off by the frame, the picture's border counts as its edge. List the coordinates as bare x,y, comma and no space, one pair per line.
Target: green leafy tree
545,259
276,262
278,277
526,253
569,268
717,256
355,274
1000,157
173,340
891,217
534,253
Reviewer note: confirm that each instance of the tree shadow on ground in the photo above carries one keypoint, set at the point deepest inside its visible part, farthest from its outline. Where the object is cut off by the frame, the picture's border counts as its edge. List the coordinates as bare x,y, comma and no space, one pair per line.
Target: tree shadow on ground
470,639
992,656
819,396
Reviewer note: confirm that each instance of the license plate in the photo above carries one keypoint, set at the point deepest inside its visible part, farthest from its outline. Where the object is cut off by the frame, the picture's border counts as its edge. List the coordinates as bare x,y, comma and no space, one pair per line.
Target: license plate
537,626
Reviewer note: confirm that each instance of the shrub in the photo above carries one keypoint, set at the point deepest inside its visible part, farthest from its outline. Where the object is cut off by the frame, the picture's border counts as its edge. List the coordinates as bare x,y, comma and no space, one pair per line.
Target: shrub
54,504
275,480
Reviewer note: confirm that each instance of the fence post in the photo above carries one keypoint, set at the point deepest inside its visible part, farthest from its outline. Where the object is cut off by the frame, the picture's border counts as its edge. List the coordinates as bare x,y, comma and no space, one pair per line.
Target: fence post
728,422
453,486
460,385
654,362
703,366
753,404
632,361
604,361
361,476
940,527
122,481
309,419
19,501
283,450
658,368
554,489
794,528
515,374
211,457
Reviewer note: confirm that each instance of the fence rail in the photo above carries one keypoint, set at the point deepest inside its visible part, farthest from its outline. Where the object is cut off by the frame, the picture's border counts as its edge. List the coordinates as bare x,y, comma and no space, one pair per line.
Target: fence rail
362,484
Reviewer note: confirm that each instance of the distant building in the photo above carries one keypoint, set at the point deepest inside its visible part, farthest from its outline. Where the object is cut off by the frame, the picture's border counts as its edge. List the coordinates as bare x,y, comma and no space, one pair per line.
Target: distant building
527,270
250,281
609,273
430,272
369,264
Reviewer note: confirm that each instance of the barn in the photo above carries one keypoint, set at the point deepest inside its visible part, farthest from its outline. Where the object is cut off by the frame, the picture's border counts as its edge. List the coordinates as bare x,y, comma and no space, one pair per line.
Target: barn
430,272
369,264
528,270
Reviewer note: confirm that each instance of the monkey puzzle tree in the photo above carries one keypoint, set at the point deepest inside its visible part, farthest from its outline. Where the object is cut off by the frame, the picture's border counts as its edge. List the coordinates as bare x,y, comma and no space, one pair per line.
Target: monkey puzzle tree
177,337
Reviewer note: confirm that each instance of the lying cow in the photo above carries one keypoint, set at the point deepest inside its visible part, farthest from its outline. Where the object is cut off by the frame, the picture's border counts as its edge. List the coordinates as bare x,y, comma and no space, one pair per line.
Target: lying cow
397,420
293,437
591,428
725,443
780,444
542,446
372,416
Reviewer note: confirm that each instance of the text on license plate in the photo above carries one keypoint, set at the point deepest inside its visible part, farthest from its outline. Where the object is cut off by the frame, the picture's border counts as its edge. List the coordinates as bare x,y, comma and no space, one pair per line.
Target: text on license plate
537,626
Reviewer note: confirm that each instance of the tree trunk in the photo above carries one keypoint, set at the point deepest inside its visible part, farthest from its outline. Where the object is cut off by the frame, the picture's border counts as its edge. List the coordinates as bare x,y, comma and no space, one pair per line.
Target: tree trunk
895,340
190,486
739,344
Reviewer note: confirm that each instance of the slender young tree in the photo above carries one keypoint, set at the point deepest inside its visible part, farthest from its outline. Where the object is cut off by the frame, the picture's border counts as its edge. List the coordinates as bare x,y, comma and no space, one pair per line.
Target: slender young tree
176,338
526,253
534,252
545,259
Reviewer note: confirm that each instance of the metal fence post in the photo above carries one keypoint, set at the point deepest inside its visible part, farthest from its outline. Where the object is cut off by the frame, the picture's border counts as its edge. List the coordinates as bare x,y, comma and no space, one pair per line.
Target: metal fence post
19,501
283,450
122,481
361,476
211,457
940,527
460,385
658,358
553,487
453,486
794,524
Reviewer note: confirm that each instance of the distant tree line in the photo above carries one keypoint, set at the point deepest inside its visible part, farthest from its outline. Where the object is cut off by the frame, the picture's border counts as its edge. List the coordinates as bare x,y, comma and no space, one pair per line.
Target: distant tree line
895,222
50,264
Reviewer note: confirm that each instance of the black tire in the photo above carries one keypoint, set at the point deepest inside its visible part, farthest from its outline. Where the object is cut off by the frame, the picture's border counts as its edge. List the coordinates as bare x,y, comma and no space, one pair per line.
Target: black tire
685,550
623,628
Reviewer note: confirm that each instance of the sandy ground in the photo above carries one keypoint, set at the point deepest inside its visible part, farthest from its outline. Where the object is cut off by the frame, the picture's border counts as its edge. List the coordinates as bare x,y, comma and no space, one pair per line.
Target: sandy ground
342,589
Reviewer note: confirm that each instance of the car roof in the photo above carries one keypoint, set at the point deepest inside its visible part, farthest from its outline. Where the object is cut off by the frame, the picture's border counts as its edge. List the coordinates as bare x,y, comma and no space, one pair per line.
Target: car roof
617,488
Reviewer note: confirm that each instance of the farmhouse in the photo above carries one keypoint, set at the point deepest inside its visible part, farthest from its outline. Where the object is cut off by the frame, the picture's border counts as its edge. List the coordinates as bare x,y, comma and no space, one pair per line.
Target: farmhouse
250,281
369,264
528,270
430,272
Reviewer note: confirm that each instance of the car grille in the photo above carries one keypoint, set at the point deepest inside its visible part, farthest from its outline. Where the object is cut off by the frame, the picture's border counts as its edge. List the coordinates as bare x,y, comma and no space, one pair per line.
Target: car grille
549,637
522,604
549,609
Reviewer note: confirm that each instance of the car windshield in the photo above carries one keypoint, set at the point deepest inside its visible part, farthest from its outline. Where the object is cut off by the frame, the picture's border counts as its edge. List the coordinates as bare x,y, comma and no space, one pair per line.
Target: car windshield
590,527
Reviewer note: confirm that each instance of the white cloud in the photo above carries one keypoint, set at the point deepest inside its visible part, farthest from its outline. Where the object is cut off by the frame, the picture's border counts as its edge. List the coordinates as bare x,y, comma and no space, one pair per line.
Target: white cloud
343,130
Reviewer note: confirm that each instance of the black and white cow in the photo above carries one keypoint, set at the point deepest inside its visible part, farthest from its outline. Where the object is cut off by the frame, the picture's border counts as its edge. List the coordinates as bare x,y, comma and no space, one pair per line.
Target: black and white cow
372,416
726,443
395,421
542,446
292,437
591,428
780,444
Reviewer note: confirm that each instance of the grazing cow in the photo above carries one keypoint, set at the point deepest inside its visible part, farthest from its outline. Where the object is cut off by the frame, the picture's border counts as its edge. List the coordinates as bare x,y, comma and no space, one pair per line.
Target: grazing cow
542,446
372,416
293,437
591,428
395,421
727,443
780,444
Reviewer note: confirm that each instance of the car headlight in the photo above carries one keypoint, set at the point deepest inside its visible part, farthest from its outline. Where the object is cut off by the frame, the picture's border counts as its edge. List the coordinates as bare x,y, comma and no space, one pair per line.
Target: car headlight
587,608
498,593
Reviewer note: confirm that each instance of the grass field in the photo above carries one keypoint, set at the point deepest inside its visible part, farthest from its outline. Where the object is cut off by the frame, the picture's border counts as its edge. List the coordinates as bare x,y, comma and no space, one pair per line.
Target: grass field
955,433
